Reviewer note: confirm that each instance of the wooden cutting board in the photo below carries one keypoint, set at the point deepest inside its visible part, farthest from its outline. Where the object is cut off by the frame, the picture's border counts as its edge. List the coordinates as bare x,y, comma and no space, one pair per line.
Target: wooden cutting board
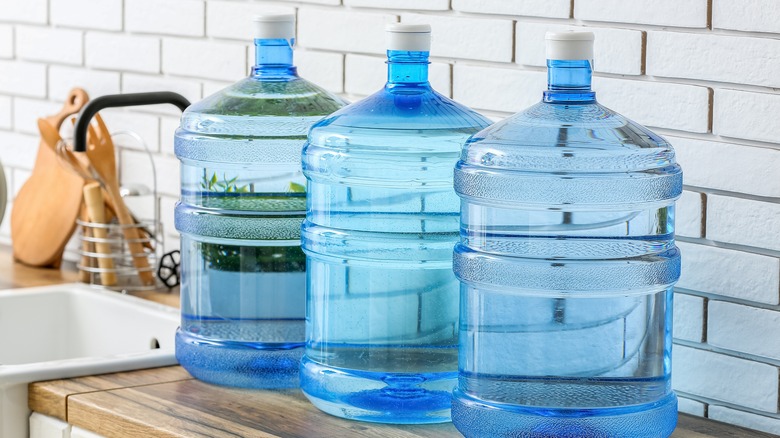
44,213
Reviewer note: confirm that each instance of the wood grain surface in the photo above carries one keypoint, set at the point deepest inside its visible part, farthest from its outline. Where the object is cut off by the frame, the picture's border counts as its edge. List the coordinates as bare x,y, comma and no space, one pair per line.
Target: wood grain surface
149,406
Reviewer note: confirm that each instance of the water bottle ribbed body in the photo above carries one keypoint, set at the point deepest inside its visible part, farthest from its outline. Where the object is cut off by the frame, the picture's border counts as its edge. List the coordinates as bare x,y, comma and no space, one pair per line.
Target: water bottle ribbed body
381,222
566,262
242,202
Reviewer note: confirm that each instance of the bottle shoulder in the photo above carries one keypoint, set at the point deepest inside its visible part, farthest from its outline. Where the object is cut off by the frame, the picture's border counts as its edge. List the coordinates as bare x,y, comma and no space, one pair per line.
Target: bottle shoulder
563,137
279,96
404,108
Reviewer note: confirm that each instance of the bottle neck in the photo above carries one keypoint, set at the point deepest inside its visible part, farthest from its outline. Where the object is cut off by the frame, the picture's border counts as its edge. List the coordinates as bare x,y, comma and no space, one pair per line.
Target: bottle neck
407,69
273,57
569,82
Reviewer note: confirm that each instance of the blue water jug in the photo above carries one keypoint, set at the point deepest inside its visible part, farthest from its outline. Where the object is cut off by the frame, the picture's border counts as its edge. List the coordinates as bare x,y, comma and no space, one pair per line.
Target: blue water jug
381,221
243,199
566,262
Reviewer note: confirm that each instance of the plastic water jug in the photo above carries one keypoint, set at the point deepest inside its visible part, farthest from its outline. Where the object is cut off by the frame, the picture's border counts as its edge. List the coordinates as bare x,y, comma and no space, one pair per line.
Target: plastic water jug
566,262
243,199
381,222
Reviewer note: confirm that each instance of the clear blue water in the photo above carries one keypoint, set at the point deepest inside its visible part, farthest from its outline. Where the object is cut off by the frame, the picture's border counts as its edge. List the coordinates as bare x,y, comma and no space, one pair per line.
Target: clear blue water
381,221
566,263
242,203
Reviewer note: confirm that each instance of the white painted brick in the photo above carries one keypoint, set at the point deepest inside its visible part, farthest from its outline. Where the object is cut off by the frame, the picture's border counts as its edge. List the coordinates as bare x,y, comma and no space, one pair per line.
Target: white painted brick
485,39
173,17
429,5
440,77
5,112
360,32
688,219
6,41
691,407
147,126
743,221
234,20
211,87
656,104
135,168
168,127
744,419
497,89
725,378
167,206
134,83
710,57
88,14
94,82
122,52
534,8
209,59
742,328
747,15
744,114
689,13
319,2
728,166
49,44
23,79
730,273
19,176
18,150
322,68
28,111
28,11
366,75
688,317
615,50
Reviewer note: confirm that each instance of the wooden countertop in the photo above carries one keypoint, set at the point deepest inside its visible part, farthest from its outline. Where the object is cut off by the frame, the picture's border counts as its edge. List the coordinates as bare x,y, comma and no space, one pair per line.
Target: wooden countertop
168,402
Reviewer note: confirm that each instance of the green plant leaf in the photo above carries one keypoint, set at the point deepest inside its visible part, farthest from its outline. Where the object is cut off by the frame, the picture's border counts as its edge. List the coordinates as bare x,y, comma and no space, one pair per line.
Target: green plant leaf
297,188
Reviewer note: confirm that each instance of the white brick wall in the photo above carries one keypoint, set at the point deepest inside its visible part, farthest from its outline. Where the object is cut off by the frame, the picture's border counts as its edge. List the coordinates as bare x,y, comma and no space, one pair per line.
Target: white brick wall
122,52
688,317
747,15
688,13
742,328
6,41
60,46
714,94
730,273
533,8
174,17
725,378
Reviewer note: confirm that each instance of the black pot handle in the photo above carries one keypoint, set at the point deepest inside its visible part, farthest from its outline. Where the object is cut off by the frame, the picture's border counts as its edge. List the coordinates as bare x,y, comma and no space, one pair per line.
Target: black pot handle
120,100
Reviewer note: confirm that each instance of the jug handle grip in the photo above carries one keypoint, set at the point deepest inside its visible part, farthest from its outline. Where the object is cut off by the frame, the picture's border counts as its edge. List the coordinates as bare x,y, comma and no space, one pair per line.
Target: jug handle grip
120,100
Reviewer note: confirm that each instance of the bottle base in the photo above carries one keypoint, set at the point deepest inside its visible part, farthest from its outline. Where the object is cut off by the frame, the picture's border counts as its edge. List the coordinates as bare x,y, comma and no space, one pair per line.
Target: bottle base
239,364
393,398
477,418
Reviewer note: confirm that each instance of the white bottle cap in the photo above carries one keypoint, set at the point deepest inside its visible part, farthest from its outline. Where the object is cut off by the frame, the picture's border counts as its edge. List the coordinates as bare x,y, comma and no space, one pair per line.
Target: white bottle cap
569,46
409,37
275,26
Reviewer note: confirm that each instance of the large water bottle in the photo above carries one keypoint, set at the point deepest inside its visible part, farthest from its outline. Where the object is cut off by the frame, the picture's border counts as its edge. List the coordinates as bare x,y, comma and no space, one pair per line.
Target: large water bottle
243,198
381,221
566,262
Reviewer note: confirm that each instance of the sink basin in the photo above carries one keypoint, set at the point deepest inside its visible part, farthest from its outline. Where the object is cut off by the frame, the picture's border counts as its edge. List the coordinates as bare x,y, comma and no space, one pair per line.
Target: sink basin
74,330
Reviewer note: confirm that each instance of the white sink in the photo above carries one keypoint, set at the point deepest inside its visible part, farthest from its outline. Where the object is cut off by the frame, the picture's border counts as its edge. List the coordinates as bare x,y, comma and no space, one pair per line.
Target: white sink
74,330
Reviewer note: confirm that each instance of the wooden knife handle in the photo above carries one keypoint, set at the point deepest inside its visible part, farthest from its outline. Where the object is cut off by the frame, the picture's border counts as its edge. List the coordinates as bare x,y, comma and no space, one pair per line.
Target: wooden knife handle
93,199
